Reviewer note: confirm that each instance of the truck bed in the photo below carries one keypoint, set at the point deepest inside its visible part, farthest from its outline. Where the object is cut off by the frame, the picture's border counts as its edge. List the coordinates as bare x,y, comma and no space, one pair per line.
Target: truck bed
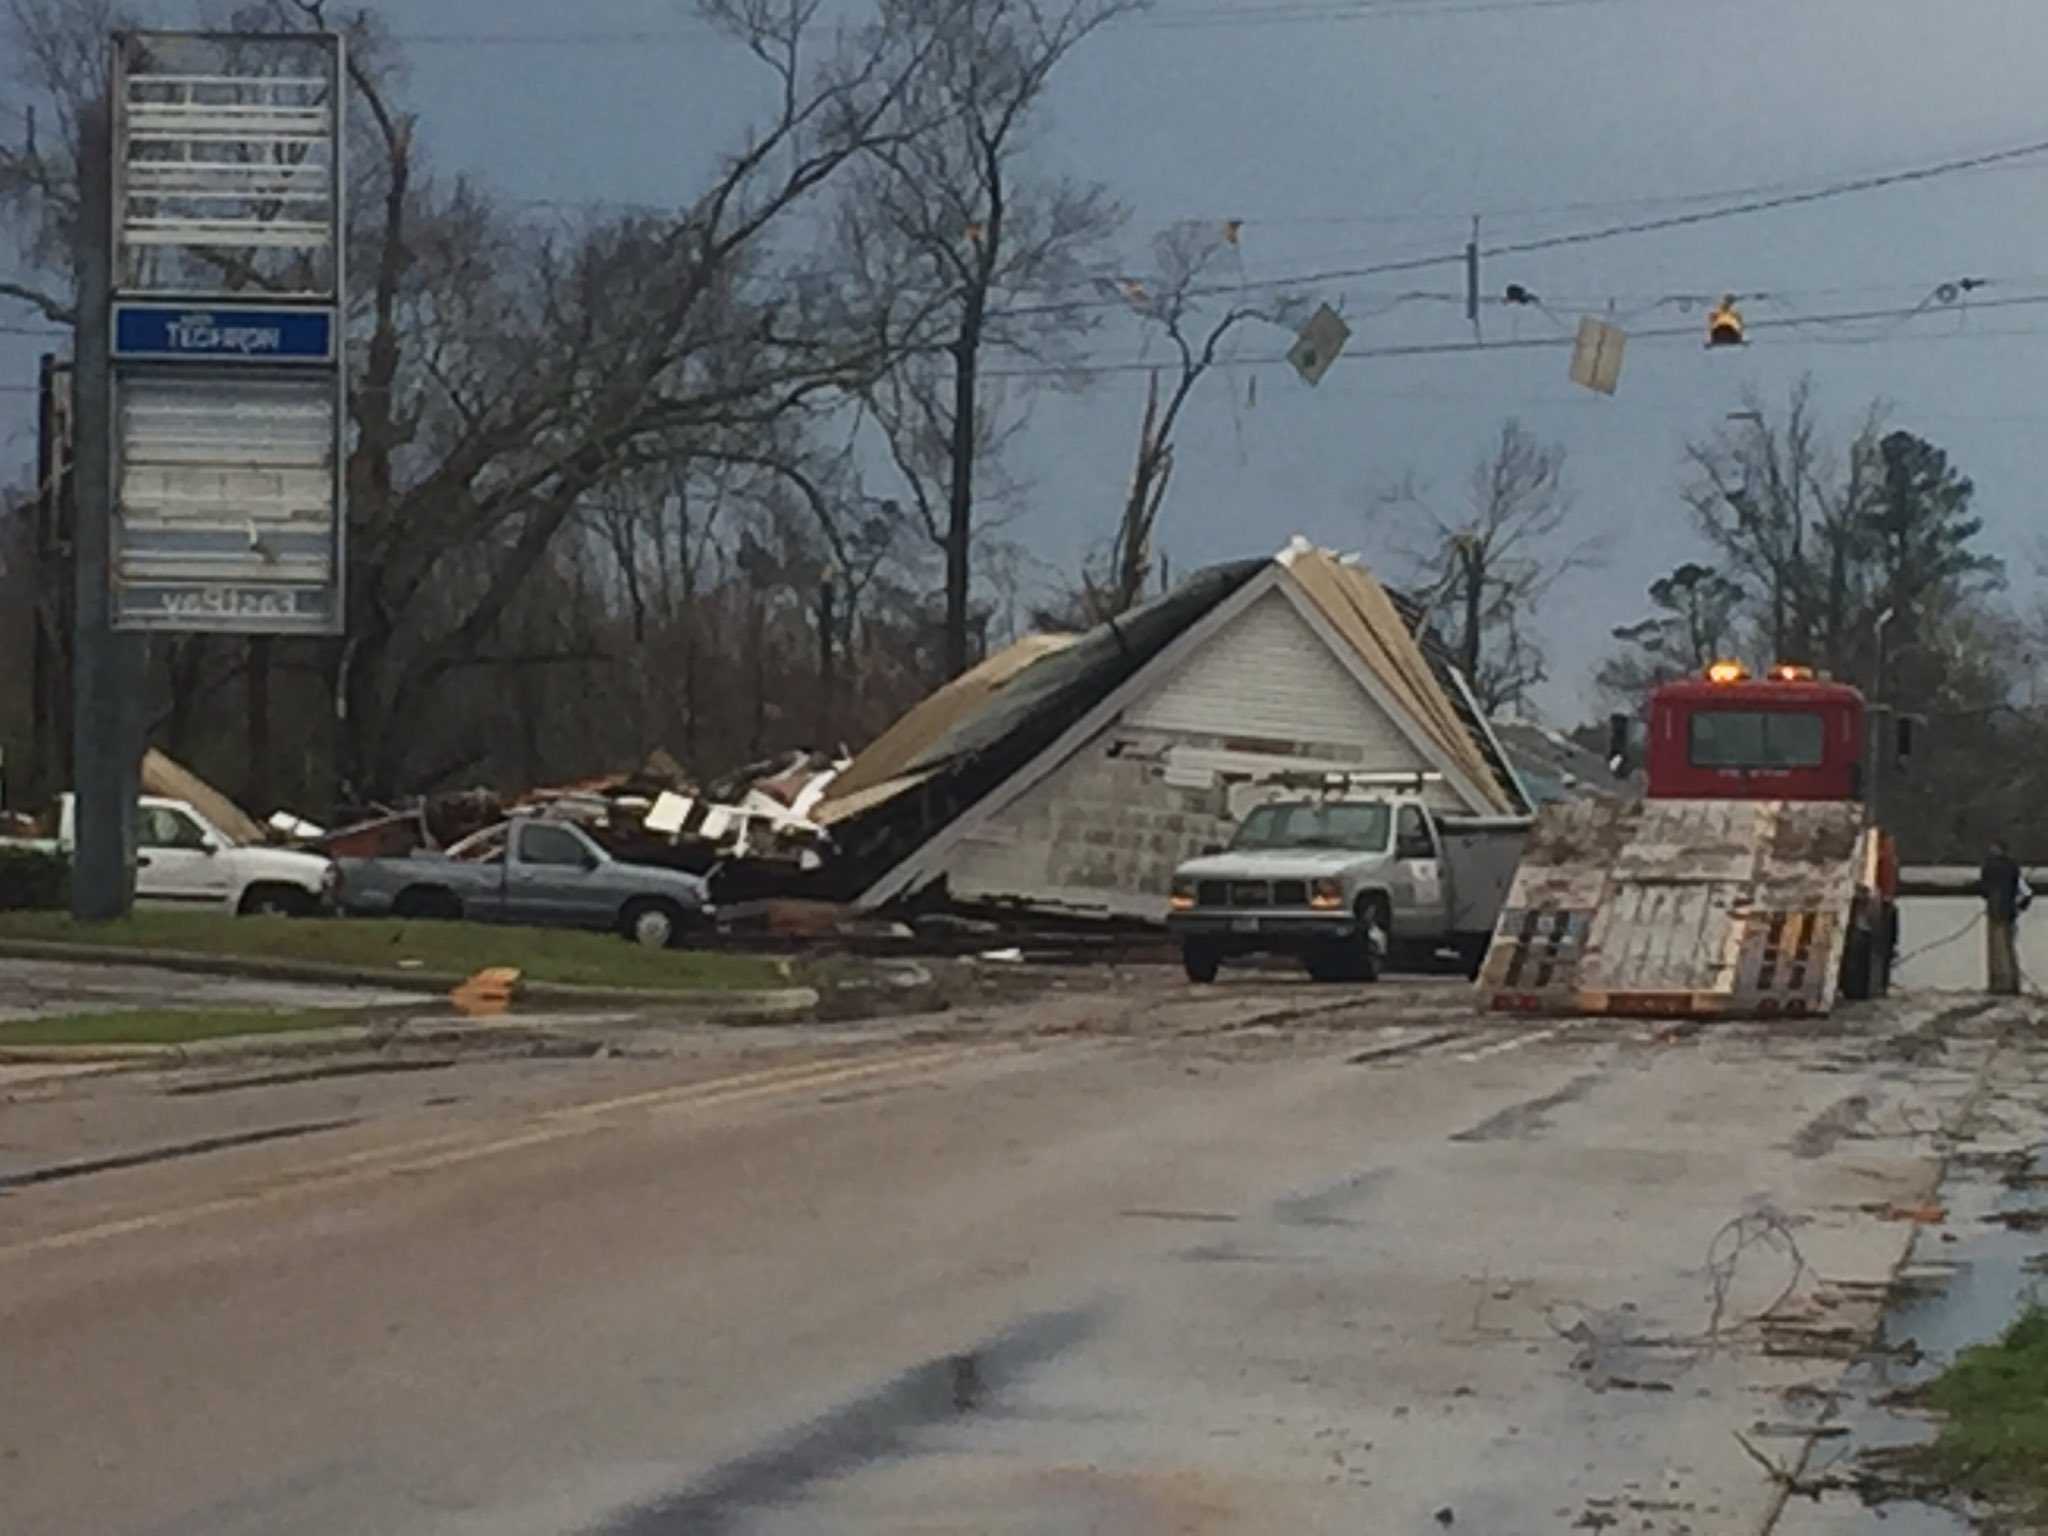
1694,908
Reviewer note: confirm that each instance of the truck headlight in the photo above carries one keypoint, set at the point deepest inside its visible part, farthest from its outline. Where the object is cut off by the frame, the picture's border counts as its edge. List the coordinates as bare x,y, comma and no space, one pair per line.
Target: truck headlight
1326,895
1183,897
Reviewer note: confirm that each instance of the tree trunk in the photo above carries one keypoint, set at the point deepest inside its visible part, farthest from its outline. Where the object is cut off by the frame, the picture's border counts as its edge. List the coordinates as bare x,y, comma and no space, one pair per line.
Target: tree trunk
828,682
960,500
758,643
259,792
1475,593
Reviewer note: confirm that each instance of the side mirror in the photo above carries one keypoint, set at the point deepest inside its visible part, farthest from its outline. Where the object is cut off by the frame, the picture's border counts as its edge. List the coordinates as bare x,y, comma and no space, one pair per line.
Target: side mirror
208,847
1210,850
1617,744
590,862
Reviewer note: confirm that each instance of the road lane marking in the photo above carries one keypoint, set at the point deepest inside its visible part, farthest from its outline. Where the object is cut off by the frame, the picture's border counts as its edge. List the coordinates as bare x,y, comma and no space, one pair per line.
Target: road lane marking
1502,1047
435,1152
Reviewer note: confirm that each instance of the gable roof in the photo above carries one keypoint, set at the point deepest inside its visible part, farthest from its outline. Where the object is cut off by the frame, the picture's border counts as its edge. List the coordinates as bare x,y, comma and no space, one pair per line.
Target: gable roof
1389,633
895,753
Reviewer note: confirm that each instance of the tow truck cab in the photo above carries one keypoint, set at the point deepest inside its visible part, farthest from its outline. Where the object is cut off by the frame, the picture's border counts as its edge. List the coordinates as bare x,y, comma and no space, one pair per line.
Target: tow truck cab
1729,736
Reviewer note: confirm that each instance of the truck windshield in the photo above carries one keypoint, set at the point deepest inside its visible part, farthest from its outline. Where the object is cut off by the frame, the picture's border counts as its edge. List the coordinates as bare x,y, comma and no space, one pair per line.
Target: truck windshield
1359,825
1756,738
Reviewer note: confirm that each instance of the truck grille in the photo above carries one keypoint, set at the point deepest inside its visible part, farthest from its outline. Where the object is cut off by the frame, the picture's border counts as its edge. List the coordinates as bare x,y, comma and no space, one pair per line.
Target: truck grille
1252,893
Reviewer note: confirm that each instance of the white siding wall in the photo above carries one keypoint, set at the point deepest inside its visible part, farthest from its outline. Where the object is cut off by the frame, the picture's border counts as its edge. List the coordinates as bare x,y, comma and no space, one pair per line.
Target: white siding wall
1270,676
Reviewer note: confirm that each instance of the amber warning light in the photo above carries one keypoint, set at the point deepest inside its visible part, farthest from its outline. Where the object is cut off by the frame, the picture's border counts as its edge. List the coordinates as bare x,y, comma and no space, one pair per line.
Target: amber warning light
1726,672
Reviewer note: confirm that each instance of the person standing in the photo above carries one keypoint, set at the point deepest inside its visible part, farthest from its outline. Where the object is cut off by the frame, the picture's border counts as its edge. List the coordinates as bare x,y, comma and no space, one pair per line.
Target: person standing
1999,882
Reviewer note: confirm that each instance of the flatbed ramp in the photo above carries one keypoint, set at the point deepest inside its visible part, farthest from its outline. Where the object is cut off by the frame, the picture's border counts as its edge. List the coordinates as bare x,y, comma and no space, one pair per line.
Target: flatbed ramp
1680,908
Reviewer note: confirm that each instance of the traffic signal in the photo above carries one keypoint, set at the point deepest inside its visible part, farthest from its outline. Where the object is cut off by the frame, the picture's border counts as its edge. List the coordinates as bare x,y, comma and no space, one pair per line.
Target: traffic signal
1724,324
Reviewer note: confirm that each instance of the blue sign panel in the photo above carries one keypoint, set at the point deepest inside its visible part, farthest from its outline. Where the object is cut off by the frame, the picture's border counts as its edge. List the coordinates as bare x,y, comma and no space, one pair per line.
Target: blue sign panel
219,334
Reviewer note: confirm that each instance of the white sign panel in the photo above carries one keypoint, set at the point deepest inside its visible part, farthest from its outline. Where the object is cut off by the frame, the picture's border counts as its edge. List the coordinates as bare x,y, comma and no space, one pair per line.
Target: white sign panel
1596,356
226,502
1318,344
227,172
229,377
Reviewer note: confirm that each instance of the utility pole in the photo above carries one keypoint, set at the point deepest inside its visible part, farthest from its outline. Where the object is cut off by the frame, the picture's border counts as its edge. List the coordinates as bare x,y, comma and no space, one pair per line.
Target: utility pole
1472,279
1880,737
107,672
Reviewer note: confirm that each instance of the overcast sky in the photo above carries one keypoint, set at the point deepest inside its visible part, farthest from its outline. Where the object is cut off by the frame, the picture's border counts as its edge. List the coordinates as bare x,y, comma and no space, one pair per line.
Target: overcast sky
1350,132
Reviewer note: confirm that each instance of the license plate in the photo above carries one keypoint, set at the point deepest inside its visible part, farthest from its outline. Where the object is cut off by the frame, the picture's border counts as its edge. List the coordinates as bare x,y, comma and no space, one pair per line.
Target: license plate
1244,925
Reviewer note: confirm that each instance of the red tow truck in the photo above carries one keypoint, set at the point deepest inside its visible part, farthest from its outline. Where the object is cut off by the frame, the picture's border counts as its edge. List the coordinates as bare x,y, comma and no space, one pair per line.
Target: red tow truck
1750,881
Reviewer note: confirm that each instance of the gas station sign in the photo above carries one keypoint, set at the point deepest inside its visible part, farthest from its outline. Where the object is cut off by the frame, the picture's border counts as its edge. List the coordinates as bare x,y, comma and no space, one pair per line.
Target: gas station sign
229,410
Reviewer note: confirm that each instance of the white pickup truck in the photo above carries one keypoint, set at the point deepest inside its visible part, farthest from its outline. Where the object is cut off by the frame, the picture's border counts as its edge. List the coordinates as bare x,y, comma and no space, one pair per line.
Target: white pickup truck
183,860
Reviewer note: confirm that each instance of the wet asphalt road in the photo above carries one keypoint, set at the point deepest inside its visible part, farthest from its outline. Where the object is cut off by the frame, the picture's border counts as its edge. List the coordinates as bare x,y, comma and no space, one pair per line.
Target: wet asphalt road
1264,1259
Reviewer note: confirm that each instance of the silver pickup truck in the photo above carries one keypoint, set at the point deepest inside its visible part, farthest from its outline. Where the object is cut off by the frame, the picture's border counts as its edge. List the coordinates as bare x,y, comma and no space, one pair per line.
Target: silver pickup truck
543,874
1347,884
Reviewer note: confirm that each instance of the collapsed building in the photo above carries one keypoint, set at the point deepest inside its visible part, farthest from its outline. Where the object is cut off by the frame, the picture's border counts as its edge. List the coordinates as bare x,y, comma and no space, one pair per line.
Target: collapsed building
1070,774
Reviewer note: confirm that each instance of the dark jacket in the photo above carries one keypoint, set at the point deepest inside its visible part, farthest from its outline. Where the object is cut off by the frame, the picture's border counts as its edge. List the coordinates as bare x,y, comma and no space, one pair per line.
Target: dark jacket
1999,883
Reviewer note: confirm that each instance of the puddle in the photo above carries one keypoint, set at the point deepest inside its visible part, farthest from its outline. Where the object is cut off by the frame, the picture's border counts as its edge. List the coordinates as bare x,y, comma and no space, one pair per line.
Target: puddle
1332,1206
1962,1285
1526,1121
880,1425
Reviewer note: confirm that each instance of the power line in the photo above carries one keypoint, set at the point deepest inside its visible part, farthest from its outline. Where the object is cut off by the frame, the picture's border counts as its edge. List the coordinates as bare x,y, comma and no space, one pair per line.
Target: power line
1786,200
1539,343
1212,19
1840,188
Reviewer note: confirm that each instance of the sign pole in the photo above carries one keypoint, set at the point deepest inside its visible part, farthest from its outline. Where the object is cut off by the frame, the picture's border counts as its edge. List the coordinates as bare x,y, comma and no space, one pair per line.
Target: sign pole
107,675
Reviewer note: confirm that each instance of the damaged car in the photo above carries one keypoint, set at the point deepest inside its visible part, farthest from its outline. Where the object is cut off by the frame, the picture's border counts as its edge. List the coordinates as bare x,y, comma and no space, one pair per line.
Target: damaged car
534,872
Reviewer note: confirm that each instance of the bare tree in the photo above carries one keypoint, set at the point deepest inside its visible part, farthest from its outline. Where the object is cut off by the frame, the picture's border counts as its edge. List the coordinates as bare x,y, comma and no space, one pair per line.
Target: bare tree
1788,516
1485,568
977,255
1694,620
1186,258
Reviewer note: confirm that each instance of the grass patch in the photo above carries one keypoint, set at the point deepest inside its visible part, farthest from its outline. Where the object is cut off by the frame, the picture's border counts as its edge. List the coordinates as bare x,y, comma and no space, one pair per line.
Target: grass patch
1995,1439
167,1026
543,954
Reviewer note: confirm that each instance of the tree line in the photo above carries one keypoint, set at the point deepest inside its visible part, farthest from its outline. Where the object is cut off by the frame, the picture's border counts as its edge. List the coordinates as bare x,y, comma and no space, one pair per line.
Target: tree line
727,479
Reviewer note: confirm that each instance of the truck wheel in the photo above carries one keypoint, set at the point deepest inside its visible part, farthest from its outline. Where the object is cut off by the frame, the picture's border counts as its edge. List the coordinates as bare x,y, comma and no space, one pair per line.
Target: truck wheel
652,924
1332,962
1201,961
275,901
1374,924
1856,965
427,903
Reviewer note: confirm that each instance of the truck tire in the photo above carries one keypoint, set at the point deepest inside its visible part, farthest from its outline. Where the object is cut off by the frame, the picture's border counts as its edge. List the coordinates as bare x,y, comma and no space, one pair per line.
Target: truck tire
1858,956
1201,961
1375,918
274,901
427,903
1333,962
652,923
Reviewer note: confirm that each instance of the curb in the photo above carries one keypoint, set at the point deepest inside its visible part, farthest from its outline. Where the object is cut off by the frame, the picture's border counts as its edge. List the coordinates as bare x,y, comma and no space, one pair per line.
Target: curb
794,1006
696,1001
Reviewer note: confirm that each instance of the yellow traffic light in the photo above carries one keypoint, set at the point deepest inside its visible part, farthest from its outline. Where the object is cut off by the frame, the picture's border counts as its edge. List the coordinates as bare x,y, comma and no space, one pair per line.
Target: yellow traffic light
1724,324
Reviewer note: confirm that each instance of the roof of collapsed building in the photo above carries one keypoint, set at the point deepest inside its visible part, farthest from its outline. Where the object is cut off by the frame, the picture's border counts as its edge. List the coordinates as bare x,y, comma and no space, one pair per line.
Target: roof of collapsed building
1554,767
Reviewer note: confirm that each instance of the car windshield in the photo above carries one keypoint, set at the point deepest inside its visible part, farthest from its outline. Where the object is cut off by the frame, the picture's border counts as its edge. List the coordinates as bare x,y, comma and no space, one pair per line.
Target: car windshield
1359,825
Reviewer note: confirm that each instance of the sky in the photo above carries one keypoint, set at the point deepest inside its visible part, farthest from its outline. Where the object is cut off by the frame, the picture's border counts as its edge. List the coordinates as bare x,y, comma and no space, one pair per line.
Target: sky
1351,133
